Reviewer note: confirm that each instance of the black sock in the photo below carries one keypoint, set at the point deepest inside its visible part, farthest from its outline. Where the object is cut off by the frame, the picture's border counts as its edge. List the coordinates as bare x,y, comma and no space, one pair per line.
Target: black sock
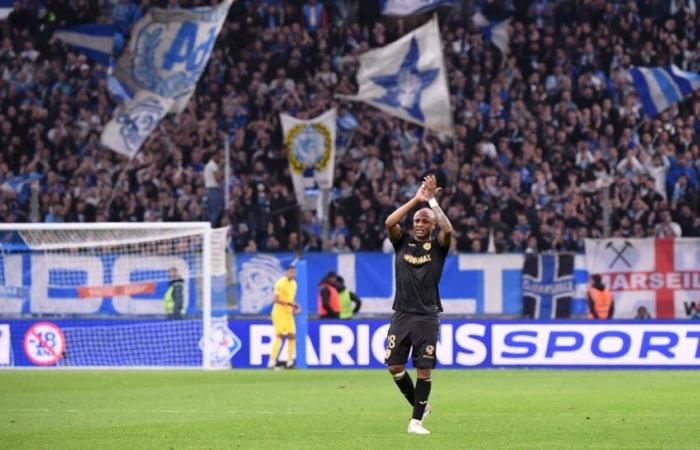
405,384
422,394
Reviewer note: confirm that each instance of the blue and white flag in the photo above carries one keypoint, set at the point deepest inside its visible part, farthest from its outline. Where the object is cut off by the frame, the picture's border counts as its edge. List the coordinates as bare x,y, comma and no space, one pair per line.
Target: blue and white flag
548,285
159,70
168,51
407,79
347,125
96,41
134,122
498,33
310,146
6,7
410,7
660,87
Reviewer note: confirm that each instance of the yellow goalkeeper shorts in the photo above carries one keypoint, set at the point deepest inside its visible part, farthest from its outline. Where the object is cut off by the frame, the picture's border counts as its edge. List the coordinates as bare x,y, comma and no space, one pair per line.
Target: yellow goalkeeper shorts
283,322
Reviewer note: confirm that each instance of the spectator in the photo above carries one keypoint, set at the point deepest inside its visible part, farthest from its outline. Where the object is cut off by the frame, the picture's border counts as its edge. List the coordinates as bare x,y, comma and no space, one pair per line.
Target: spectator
600,301
642,314
328,298
542,134
213,179
350,303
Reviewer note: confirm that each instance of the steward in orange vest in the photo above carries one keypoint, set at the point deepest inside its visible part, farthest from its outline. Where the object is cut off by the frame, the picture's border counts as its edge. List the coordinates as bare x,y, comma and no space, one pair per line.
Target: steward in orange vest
328,298
600,301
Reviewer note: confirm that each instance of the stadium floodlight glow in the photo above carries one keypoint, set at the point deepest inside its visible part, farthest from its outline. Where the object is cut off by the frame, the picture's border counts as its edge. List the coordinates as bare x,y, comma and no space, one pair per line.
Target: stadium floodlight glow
121,271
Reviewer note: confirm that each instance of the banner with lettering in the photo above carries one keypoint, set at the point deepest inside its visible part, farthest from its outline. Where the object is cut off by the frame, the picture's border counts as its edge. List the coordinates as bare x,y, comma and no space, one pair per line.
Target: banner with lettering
662,275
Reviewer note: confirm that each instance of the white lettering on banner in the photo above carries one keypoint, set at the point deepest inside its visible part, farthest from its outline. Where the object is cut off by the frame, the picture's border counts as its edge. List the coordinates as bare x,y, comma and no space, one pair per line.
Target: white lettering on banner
350,345
125,266
12,270
4,344
652,280
362,349
41,302
444,346
330,347
260,341
595,344
476,351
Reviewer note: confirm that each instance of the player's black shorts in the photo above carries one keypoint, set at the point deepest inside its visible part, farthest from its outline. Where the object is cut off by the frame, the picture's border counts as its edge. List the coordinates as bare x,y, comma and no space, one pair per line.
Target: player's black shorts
416,331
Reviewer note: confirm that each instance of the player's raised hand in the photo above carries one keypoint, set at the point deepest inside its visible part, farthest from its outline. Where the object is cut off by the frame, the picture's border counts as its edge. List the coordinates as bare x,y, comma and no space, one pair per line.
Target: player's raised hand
431,187
422,194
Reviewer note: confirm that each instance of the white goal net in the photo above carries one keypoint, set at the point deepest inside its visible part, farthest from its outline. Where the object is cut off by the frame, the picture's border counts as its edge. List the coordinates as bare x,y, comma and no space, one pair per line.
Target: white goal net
125,294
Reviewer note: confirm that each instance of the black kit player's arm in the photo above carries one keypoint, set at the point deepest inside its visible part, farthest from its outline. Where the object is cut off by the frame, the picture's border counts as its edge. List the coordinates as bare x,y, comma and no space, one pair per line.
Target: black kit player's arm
392,222
445,236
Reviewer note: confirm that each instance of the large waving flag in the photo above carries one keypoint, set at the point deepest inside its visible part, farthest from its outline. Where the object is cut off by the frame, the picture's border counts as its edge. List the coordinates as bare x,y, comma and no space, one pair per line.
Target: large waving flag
310,146
660,87
134,122
498,33
407,79
159,70
96,41
169,50
410,7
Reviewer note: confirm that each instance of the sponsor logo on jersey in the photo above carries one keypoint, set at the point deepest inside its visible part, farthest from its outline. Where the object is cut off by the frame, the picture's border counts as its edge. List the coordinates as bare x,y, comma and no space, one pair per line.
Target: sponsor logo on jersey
417,260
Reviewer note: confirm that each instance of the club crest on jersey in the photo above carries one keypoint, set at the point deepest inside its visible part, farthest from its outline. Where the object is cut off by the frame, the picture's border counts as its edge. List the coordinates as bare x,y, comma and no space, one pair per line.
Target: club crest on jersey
427,246
429,349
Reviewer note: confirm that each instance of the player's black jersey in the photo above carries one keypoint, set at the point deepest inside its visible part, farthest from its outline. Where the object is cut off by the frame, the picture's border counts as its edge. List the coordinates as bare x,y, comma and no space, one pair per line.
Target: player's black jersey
418,270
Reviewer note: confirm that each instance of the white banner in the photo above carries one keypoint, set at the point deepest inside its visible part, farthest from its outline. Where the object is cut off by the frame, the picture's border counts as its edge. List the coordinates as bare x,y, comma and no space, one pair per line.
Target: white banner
596,344
134,122
407,79
662,275
310,146
169,50
4,344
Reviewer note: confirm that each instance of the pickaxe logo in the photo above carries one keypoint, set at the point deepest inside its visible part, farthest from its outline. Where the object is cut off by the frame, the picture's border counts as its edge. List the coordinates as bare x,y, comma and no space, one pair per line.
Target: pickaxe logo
619,254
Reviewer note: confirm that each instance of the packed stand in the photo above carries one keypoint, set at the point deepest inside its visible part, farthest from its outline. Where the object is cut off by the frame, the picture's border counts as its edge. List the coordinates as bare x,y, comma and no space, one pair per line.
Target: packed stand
551,147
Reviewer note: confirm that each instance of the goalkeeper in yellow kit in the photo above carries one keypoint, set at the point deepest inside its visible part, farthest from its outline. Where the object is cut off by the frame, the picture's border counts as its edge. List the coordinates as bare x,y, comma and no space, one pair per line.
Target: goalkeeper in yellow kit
283,312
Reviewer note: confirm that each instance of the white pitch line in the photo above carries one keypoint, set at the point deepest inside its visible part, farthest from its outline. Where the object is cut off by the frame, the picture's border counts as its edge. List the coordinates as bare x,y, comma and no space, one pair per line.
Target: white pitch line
271,413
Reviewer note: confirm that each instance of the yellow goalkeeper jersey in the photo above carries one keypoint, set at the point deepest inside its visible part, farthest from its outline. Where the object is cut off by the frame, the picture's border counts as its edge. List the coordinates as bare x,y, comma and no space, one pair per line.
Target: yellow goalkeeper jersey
285,290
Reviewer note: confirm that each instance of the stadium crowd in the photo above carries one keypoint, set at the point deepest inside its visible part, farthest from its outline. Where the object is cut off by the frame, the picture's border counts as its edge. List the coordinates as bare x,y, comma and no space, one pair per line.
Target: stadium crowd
551,143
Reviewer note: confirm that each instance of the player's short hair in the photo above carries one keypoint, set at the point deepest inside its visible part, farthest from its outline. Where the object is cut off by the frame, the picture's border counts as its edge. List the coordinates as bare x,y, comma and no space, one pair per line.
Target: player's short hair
429,212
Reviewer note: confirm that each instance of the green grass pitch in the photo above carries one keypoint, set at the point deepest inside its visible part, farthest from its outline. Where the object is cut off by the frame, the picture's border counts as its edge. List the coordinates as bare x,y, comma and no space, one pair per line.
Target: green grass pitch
476,409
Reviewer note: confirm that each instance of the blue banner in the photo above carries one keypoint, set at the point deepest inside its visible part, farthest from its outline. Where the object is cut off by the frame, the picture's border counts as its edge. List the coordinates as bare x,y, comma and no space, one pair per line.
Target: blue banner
470,284
358,343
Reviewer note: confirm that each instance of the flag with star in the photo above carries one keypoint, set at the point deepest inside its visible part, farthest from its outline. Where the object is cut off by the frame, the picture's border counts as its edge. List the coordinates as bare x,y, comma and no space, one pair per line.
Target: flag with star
407,79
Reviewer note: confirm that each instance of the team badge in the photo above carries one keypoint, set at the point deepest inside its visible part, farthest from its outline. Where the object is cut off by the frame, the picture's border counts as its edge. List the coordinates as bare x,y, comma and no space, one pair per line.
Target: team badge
427,246
309,146
429,349
387,353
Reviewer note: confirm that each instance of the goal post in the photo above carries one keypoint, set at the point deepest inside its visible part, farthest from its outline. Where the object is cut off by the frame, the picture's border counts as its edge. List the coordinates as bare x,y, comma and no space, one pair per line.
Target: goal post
127,294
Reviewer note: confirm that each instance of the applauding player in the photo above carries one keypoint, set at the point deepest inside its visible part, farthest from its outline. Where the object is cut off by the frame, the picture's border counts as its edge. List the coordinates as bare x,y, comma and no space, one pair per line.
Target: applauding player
414,326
